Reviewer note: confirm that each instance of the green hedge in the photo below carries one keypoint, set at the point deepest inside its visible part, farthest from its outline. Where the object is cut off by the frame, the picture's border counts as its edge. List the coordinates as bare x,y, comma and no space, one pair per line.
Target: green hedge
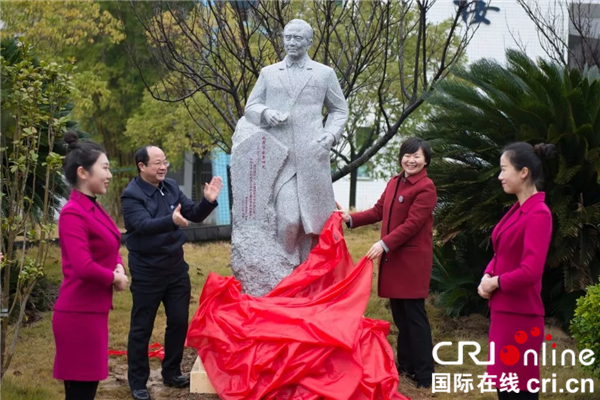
585,326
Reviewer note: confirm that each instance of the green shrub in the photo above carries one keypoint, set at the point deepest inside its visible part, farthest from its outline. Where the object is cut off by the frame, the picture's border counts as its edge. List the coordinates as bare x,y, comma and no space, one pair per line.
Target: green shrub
42,298
456,275
585,326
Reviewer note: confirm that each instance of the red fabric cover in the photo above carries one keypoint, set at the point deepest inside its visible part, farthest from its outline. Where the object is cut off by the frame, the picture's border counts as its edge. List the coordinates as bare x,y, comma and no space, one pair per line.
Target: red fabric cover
307,339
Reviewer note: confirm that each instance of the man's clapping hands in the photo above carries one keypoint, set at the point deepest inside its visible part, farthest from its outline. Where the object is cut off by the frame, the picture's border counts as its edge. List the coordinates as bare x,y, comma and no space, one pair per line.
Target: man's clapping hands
178,218
212,189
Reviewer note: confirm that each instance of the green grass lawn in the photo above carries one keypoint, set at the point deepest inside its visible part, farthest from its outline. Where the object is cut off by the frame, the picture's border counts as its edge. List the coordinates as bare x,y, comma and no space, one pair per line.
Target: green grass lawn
30,375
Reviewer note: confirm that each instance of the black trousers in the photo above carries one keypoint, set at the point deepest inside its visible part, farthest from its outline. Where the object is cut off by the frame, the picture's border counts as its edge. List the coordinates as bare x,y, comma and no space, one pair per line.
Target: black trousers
415,345
148,292
522,395
80,390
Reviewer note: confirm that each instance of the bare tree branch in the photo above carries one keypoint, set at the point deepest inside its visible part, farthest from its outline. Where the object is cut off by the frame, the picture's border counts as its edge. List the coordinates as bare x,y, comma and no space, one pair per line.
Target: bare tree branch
387,54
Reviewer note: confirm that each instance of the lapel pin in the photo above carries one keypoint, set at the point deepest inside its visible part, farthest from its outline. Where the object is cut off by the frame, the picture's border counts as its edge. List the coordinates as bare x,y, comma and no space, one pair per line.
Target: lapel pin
401,199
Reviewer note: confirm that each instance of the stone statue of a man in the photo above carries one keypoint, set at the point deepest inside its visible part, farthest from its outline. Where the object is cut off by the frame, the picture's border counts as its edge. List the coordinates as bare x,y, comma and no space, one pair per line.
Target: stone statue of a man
288,101
287,104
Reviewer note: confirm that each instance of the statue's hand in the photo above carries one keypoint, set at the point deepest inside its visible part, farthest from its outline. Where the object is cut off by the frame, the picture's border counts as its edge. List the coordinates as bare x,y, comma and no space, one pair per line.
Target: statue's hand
272,117
326,140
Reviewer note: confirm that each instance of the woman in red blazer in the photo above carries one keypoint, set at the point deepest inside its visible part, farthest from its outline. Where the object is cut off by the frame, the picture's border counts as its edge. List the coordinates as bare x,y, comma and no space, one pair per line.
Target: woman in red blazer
405,254
89,244
513,279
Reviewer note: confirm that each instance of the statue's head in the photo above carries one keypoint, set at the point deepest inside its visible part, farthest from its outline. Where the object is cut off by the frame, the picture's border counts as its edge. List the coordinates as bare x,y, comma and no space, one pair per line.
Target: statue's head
297,38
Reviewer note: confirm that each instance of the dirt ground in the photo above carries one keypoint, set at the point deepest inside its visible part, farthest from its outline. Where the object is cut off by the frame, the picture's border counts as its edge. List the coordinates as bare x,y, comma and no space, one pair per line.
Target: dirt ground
115,387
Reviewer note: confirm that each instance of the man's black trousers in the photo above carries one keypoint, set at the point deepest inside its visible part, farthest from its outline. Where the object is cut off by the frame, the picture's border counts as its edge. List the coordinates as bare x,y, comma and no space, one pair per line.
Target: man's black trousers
415,344
149,290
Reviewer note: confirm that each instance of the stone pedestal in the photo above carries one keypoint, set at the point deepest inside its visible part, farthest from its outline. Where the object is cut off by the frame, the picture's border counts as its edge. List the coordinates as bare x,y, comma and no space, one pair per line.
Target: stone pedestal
257,260
199,382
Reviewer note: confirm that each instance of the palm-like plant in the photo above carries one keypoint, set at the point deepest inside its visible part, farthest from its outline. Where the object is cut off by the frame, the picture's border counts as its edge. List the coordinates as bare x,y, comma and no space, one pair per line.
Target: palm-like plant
478,112
456,274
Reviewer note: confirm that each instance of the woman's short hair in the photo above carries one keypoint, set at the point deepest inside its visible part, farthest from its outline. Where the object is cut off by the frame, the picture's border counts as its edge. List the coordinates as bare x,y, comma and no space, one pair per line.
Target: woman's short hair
412,145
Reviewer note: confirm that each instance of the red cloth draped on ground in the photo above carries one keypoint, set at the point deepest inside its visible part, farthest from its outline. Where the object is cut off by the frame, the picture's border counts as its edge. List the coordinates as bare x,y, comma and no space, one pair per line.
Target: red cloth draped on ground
307,339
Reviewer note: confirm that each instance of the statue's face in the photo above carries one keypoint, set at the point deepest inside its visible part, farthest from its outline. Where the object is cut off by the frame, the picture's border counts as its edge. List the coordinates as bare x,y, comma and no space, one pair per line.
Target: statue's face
294,41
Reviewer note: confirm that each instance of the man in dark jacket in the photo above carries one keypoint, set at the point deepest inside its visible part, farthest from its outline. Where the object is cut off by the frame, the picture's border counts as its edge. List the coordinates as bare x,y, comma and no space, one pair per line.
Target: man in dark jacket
154,209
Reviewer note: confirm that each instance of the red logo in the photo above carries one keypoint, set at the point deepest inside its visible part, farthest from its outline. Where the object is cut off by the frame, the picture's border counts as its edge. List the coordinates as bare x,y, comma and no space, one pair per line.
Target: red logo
510,355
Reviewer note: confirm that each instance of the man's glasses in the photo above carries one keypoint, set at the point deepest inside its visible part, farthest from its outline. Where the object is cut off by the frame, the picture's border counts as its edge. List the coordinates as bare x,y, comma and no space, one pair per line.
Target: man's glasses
159,163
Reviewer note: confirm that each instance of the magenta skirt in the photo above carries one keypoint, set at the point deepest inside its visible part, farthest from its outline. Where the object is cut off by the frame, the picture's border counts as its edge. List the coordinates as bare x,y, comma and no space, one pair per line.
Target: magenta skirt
81,346
513,335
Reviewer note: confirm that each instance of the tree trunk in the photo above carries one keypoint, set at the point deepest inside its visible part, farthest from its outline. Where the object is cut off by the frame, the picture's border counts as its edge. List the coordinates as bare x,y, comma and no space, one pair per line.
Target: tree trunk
353,183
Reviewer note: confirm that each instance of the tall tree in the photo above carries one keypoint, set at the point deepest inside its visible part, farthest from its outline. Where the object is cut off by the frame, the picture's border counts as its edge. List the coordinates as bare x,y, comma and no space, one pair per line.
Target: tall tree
167,125
98,38
388,56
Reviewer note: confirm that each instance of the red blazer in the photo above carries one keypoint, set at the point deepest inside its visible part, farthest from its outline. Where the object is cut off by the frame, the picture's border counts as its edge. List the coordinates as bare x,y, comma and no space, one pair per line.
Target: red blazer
521,241
89,245
406,209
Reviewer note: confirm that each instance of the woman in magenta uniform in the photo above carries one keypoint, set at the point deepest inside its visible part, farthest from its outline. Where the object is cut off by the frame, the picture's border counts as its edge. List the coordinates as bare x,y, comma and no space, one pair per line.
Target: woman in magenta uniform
513,279
91,264
406,255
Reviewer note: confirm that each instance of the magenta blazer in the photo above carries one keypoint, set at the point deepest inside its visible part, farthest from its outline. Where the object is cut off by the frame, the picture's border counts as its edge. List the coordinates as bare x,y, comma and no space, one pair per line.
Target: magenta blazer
521,241
89,245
